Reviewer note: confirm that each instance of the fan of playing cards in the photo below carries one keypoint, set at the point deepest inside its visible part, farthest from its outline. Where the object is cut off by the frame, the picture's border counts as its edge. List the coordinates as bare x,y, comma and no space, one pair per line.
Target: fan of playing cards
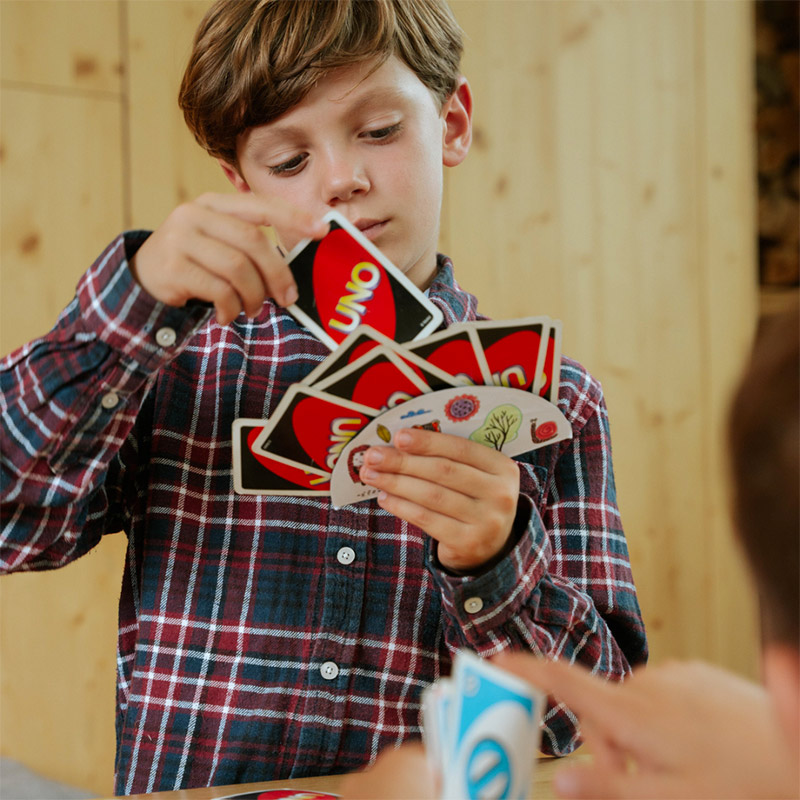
495,382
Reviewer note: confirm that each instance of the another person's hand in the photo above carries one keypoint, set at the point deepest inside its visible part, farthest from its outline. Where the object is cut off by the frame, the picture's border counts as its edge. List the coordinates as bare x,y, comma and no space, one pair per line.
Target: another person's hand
461,493
214,249
402,773
681,730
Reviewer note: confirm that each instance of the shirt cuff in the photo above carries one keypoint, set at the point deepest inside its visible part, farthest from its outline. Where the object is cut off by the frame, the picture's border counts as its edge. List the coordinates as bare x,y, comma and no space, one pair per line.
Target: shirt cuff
479,604
116,309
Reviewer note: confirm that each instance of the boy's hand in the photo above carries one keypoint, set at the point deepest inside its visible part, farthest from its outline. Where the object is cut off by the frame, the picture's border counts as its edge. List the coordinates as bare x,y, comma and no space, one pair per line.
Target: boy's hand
214,249
461,493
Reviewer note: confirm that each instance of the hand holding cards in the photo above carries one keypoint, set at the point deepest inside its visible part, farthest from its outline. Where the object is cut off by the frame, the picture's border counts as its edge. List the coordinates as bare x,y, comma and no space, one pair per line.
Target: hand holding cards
493,382
481,730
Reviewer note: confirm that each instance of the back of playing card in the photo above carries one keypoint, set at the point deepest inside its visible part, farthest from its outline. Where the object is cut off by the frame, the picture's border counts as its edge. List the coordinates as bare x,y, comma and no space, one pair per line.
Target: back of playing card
344,281
494,732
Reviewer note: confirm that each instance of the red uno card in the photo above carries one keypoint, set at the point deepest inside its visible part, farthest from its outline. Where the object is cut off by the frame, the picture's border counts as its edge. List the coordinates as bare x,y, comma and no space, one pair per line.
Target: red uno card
453,351
309,428
514,350
255,473
379,379
344,281
357,344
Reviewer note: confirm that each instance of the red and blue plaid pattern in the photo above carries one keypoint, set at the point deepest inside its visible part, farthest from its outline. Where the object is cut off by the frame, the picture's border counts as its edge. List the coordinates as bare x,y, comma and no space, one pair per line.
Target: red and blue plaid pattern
231,605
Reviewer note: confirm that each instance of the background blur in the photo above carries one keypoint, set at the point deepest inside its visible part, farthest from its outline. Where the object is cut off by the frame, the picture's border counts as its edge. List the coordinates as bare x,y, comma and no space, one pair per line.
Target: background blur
612,184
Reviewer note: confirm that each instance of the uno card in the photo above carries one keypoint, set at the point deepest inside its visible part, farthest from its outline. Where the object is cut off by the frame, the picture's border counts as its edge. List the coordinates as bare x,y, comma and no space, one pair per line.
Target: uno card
436,699
359,342
344,281
452,350
549,380
380,379
310,428
256,473
514,350
493,731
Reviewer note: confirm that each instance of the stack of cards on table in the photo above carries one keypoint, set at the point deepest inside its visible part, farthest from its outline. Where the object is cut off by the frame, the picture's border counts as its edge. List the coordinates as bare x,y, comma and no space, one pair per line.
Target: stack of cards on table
362,309
481,731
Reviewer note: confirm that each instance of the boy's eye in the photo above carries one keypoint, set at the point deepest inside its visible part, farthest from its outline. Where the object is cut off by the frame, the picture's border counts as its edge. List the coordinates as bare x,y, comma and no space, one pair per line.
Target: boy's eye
383,133
288,167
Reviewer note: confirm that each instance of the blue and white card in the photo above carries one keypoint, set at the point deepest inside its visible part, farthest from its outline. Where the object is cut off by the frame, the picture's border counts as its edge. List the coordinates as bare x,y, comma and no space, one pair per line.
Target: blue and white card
491,746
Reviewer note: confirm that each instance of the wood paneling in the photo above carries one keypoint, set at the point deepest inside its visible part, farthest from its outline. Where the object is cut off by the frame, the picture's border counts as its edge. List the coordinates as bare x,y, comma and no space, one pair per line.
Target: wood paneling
62,44
610,185
167,166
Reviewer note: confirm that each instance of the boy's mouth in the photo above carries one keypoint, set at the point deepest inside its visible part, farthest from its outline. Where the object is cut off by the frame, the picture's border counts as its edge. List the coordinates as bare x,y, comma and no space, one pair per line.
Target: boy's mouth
371,228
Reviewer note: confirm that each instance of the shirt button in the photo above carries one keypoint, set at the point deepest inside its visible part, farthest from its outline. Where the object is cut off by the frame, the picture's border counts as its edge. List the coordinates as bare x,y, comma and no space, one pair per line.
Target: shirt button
110,400
329,670
166,337
346,555
473,605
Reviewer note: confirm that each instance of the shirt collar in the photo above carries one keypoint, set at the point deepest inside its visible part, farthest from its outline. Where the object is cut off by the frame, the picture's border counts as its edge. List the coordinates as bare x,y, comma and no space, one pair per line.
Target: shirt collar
444,291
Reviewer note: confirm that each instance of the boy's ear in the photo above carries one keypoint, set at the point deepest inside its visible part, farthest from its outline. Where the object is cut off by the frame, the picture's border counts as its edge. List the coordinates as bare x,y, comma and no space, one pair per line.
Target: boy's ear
232,174
781,670
457,119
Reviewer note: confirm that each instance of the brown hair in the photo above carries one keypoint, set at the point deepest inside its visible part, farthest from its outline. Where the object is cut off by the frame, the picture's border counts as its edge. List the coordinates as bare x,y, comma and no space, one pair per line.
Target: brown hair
764,440
253,60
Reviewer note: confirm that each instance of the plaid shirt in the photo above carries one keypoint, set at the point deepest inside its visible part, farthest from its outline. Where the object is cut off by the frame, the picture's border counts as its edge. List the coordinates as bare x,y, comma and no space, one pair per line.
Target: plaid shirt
250,648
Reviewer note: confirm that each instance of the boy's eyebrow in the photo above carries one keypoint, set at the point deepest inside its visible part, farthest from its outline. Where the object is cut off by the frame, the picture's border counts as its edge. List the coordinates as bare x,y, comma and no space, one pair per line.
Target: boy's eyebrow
288,130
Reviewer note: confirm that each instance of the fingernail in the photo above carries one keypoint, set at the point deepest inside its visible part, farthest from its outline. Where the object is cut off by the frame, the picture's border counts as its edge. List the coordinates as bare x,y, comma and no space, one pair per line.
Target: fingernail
369,474
403,437
291,296
374,457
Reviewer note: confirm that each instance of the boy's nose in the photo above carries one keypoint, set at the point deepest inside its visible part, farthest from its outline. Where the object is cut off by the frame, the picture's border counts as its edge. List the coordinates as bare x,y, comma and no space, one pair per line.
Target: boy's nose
344,178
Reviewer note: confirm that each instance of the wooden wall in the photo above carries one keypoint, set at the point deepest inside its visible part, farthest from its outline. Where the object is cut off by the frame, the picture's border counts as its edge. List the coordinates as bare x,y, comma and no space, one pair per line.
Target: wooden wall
610,185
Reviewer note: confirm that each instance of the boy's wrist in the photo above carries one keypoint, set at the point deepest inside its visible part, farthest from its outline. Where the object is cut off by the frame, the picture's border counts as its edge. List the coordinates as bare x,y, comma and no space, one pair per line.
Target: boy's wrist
518,528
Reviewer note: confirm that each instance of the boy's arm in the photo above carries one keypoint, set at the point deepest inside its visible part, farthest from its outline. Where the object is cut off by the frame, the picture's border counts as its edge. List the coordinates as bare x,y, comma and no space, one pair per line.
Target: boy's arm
562,586
69,401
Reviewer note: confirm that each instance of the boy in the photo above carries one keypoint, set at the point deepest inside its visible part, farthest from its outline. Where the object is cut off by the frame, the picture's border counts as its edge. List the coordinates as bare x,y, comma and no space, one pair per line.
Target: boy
265,637
690,729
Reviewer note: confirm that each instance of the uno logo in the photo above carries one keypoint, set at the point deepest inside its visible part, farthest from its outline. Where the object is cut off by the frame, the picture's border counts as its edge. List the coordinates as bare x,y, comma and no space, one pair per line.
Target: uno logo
350,288
489,770
512,377
343,429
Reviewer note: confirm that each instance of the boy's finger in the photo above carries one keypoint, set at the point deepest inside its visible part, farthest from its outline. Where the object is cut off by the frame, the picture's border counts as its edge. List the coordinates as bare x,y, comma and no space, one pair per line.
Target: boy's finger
437,472
429,499
272,212
251,243
232,266
455,448
211,288
589,696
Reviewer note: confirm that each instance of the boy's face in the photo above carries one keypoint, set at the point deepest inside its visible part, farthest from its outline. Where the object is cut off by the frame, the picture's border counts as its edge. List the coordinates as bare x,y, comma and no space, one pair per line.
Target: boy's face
370,147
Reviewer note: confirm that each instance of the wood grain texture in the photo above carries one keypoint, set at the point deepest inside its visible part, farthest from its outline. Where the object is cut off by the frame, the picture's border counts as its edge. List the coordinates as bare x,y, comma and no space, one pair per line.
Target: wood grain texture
610,184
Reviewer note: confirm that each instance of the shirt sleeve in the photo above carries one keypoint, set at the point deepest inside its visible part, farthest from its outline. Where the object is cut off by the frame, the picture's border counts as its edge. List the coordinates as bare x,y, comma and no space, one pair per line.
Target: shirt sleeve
566,589
69,401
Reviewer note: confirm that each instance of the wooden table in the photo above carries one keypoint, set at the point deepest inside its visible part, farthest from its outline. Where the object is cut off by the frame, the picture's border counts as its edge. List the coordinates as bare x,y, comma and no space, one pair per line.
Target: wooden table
541,788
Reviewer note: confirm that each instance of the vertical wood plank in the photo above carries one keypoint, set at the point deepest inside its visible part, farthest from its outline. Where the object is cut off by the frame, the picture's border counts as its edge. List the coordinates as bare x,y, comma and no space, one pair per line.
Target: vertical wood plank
586,197
61,202
167,166
731,299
